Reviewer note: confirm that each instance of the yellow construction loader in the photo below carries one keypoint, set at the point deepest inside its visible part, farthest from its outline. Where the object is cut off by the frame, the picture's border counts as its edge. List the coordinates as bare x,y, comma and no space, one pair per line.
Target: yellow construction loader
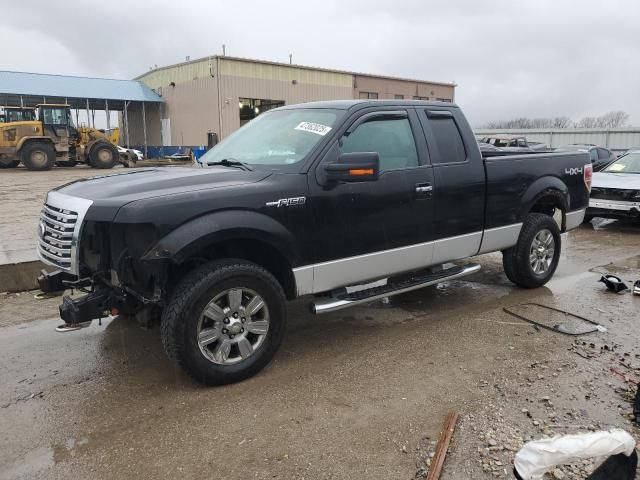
53,139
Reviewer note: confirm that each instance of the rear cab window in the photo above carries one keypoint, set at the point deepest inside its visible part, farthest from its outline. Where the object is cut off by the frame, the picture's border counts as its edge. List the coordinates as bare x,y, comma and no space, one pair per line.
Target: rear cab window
447,138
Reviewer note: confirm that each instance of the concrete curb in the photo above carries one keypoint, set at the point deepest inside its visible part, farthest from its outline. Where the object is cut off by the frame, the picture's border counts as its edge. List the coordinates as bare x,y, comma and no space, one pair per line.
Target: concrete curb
17,277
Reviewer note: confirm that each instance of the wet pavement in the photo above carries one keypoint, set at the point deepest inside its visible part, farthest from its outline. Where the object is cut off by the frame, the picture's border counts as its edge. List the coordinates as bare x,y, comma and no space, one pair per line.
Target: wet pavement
359,393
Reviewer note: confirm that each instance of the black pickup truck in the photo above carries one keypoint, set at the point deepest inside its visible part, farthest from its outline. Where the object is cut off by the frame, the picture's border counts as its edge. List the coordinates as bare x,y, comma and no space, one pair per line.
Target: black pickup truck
311,199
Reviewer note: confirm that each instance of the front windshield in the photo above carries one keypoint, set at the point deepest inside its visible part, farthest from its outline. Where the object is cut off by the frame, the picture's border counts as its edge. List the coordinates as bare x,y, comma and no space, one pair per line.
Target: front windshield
278,137
629,163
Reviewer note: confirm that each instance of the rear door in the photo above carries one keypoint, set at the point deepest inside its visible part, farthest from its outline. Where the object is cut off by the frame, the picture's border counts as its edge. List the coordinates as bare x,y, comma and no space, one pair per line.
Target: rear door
368,230
459,184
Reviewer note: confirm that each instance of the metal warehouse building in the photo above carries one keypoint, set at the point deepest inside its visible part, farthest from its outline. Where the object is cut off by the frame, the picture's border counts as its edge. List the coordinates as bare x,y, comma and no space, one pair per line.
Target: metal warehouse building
214,96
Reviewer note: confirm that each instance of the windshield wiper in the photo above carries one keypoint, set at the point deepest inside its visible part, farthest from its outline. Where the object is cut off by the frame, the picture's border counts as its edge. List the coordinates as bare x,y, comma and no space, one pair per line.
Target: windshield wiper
231,162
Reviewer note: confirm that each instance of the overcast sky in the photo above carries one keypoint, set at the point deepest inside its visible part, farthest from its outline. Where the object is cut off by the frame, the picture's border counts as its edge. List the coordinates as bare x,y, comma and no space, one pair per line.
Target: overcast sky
509,58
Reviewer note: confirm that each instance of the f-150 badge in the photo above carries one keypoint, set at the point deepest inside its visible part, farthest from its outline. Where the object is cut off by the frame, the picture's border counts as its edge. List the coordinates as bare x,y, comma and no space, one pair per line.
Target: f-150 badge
287,202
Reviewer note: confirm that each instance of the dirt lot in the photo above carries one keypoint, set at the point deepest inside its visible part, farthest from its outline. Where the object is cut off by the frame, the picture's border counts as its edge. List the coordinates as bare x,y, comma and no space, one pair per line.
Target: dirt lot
359,393
21,195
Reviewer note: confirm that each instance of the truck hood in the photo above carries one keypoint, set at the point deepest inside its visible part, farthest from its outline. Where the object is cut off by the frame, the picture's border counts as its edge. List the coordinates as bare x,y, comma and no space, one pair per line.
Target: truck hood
623,181
121,188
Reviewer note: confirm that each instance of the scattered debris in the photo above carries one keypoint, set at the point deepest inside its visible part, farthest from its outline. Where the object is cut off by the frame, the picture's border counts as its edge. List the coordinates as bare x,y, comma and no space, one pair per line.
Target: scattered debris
613,283
538,457
442,447
559,328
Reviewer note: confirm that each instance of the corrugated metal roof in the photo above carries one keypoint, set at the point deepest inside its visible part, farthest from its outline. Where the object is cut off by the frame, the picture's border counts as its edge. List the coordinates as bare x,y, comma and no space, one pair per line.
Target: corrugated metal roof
61,86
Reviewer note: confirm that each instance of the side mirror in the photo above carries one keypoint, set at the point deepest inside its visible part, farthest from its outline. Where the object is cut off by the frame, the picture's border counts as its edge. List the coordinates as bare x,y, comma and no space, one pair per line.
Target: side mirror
353,167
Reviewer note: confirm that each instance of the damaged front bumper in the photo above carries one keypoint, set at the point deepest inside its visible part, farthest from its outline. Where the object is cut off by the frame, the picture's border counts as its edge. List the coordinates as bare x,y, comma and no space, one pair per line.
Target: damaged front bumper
98,303
613,208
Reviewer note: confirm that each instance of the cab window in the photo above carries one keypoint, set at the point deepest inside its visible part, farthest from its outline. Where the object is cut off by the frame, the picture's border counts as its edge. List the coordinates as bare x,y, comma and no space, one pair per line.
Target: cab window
391,138
54,116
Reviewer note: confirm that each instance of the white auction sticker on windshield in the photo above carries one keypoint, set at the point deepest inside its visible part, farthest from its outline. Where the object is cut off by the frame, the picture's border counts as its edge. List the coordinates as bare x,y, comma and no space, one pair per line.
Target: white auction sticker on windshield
316,128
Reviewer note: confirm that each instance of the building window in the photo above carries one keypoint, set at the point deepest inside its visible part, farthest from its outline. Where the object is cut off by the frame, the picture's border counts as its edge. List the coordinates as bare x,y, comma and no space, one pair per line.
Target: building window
369,95
399,97
250,108
416,97
448,100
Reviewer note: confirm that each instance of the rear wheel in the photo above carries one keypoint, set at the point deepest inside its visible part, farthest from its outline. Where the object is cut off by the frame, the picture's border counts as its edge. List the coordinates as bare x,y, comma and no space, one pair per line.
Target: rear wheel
225,321
534,259
38,156
103,155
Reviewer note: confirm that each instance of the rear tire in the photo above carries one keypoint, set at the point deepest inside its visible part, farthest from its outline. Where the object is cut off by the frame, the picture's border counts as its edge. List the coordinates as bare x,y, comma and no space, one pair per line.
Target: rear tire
218,335
38,156
533,260
103,155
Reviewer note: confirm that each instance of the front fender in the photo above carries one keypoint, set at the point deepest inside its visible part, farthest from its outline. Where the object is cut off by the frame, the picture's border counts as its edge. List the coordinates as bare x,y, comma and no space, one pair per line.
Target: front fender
24,140
543,186
195,235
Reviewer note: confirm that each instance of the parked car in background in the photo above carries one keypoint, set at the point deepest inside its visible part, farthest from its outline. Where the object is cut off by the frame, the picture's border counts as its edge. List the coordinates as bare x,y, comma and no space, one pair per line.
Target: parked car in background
600,156
138,153
615,191
507,141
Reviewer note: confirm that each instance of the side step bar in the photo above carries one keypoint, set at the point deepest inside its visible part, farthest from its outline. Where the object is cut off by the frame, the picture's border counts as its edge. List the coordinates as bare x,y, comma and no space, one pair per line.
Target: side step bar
413,283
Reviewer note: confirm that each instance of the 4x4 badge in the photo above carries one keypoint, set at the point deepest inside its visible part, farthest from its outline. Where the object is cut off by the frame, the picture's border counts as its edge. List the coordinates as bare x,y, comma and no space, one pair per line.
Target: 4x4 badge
287,202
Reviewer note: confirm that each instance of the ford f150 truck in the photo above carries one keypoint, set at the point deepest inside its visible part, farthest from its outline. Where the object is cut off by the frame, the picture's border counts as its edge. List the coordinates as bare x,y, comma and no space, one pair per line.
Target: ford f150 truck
311,199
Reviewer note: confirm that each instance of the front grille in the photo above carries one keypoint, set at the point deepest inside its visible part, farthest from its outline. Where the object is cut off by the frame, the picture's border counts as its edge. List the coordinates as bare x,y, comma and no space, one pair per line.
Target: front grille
57,226
615,194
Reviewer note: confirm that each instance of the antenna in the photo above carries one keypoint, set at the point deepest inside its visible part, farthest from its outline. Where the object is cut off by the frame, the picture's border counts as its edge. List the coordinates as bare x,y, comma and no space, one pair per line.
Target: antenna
290,58
224,50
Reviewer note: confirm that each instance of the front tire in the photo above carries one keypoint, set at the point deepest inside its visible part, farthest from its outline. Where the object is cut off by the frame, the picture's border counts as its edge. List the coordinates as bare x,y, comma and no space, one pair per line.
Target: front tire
225,321
533,260
38,156
103,155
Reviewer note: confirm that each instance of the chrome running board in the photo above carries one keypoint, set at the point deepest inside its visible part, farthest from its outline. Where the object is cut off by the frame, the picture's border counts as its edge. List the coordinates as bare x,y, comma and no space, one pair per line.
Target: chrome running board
415,282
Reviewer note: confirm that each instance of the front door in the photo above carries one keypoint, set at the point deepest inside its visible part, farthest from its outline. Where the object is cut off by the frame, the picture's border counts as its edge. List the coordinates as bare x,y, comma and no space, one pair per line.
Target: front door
367,230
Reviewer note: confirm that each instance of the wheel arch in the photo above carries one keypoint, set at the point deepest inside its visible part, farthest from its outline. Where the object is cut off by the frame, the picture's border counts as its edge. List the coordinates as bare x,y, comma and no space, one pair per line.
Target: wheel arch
231,234
546,195
31,139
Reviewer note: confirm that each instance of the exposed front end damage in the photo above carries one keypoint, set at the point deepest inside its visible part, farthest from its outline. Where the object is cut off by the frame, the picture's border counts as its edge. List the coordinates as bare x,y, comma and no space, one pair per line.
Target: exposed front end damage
111,273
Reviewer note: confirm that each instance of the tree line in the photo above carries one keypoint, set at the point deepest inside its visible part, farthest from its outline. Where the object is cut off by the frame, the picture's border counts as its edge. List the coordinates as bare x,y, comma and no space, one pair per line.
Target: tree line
613,119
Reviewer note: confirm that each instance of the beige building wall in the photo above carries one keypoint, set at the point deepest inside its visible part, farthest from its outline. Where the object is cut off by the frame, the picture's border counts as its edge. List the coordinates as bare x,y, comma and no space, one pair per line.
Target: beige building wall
275,82
192,107
387,88
202,95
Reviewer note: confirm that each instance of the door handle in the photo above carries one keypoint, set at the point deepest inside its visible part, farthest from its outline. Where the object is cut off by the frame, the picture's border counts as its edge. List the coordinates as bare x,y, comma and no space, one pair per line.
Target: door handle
424,188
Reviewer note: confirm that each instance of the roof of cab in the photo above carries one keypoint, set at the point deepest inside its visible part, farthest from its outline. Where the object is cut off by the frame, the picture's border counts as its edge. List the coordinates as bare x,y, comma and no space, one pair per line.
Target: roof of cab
351,104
